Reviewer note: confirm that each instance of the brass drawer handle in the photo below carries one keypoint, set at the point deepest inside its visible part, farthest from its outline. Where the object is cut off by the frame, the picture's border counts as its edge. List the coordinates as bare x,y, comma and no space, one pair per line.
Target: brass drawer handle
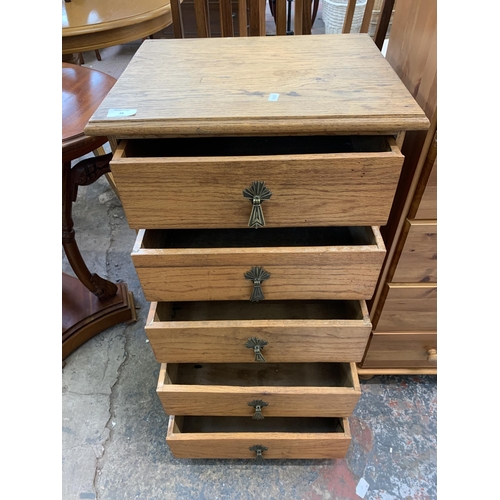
257,275
257,193
258,404
258,448
257,345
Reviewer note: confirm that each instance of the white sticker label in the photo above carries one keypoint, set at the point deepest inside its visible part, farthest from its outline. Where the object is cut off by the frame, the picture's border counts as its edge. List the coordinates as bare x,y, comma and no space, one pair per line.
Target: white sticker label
273,97
113,113
362,488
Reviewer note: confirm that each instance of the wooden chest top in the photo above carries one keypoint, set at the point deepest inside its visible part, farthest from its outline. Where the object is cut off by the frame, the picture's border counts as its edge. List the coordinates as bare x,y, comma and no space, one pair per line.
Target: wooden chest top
318,84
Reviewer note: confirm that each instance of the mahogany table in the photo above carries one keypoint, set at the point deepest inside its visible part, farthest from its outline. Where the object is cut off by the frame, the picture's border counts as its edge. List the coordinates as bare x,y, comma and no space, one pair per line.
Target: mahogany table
91,304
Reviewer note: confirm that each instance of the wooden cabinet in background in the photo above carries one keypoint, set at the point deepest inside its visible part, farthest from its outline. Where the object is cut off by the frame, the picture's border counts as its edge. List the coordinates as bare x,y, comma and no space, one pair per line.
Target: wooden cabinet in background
418,258
404,307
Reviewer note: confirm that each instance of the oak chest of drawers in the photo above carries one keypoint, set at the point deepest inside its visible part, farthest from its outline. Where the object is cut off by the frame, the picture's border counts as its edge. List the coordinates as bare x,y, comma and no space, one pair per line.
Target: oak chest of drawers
257,172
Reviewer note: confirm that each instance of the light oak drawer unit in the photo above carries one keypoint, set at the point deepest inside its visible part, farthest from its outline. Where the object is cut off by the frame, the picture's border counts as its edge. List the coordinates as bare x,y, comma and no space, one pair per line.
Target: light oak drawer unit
418,260
301,263
239,437
259,391
402,350
409,307
258,230
314,181
271,331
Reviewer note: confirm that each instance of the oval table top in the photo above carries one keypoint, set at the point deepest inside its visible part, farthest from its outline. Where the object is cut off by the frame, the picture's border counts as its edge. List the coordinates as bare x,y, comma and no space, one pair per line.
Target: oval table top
94,24
83,90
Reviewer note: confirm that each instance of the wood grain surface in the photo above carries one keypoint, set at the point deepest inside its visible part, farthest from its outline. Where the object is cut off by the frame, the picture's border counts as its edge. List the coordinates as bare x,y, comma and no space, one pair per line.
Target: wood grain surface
409,307
315,272
206,192
221,86
427,207
298,331
418,258
83,89
218,437
412,50
290,389
400,350
95,24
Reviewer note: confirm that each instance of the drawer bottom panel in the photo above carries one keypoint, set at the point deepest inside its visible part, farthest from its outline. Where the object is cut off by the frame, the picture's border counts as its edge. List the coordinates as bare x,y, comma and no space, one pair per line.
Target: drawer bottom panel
402,350
238,437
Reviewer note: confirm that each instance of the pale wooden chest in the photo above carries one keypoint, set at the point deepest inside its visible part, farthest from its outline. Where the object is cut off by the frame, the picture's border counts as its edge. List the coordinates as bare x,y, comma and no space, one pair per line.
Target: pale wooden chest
257,172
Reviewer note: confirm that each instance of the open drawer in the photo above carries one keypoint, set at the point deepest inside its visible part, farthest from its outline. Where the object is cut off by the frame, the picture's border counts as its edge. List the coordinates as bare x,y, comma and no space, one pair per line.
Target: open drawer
259,391
273,331
239,437
288,263
314,180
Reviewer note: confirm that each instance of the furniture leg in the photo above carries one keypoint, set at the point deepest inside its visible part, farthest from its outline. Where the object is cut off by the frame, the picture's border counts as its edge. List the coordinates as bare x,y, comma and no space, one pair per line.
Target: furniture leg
84,173
90,304
72,58
109,176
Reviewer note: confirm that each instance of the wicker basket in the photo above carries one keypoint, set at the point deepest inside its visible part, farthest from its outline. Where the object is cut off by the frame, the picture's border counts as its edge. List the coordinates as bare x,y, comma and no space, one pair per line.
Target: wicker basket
334,14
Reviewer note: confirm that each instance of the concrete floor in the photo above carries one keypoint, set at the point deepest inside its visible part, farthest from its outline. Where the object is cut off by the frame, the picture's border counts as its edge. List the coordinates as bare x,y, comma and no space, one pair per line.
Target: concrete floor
114,427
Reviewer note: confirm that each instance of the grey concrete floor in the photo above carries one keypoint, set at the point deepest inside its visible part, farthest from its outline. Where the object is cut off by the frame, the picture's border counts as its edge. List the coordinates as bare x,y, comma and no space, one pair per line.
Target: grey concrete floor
114,427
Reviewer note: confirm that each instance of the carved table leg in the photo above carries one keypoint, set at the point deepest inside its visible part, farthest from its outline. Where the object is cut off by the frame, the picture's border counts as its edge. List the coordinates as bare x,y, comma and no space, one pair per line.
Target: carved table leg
91,304
84,173
109,176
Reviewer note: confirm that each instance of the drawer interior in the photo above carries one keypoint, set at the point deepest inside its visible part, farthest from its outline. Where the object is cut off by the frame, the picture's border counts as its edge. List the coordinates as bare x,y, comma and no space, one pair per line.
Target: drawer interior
256,374
267,309
204,424
264,237
249,146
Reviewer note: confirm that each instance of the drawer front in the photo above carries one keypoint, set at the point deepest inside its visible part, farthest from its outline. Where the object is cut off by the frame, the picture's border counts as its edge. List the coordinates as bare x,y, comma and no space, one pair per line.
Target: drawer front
409,307
207,192
227,437
259,391
402,350
331,271
418,260
286,332
427,208
286,283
